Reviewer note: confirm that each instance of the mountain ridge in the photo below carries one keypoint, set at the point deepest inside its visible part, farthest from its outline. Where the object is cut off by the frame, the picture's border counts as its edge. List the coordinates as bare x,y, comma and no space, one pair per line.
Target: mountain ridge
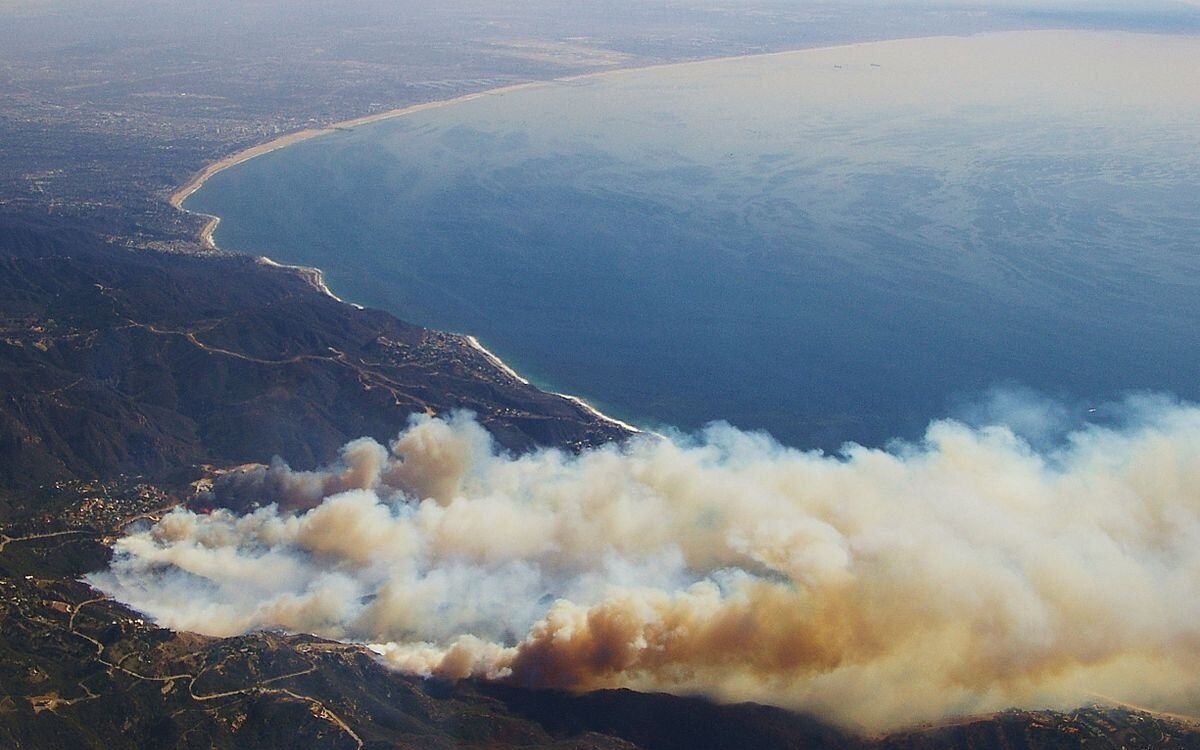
143,362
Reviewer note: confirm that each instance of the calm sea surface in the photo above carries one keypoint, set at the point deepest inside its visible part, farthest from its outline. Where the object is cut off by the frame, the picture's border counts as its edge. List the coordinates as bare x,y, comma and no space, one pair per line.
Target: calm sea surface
831,245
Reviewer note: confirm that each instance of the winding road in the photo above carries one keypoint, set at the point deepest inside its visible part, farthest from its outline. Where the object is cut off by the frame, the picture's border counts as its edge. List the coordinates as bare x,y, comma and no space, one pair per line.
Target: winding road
5,540
321,710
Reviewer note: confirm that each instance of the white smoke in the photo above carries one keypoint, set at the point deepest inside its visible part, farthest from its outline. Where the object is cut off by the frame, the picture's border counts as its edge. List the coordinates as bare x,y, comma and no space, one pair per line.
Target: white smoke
967,572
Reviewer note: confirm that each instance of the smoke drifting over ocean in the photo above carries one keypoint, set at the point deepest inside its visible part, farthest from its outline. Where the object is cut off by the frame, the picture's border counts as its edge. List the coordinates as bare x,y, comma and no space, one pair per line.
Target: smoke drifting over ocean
970,571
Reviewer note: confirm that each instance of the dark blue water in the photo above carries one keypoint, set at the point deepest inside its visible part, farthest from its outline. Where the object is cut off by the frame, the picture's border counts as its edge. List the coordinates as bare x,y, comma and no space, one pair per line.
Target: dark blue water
833,245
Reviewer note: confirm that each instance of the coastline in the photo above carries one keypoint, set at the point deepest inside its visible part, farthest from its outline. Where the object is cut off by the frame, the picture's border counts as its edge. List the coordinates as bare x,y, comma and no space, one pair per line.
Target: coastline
503,367
179,196
197,181
316,276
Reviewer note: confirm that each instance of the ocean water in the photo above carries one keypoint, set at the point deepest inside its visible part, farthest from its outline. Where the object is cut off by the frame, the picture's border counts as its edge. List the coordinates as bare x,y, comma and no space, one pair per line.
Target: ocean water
830,245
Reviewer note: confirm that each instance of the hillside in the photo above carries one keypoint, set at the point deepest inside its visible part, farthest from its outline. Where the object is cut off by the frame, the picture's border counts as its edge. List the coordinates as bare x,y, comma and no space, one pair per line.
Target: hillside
123,362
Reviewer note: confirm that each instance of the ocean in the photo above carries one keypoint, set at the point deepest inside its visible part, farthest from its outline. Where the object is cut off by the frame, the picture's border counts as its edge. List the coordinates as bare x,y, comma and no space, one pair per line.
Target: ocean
830,245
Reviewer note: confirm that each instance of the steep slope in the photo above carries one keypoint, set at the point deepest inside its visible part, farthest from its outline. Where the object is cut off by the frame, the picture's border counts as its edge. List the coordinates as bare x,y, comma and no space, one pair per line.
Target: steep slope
114,361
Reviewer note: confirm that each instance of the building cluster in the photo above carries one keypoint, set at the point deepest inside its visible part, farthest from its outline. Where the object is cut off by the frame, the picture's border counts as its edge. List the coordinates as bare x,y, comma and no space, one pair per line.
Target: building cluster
107,506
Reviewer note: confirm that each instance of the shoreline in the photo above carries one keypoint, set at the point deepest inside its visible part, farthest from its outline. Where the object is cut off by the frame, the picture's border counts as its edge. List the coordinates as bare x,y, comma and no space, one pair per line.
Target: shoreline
316,276
311,274
177,198
503,367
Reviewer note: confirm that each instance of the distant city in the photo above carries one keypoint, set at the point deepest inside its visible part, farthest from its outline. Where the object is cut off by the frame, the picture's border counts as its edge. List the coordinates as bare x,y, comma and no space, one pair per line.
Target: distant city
178,422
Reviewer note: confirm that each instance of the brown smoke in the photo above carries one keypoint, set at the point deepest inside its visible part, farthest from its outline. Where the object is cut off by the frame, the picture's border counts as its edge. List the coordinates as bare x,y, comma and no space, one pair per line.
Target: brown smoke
968,572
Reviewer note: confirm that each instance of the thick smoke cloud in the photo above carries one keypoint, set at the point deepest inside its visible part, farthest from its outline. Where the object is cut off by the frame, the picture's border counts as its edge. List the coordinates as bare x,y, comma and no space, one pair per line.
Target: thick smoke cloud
964,573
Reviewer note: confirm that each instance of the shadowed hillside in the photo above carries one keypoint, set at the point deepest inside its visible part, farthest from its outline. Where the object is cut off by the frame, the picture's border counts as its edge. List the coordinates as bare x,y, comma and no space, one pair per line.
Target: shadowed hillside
114,361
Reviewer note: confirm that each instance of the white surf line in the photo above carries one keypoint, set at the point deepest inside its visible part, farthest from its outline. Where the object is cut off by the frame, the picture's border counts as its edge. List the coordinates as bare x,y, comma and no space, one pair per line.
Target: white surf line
499,363
315,276
197,181
503,367
206,234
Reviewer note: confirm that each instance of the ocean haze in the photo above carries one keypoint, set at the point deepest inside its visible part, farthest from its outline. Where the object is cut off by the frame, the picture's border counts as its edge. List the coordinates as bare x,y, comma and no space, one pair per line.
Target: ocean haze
244,504
830,245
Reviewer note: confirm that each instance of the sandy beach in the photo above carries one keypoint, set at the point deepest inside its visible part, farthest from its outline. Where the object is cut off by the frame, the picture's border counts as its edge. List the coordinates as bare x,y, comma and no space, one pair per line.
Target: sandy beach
316,276
178,197
503,367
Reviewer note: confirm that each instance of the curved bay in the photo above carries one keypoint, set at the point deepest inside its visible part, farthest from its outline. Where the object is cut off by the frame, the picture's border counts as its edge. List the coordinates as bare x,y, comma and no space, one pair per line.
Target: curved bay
832,245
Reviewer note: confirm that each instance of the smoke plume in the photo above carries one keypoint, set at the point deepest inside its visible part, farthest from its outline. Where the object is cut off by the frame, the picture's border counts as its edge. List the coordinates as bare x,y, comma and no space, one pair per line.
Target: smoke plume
966,572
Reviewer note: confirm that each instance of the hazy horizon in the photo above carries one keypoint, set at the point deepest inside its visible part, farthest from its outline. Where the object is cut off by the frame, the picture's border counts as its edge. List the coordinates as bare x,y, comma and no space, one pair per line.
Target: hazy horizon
812,269
903,297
